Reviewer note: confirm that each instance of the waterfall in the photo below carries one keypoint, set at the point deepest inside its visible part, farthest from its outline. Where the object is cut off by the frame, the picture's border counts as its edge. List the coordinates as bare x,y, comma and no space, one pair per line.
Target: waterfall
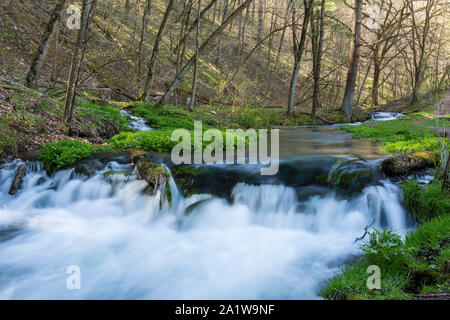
264,244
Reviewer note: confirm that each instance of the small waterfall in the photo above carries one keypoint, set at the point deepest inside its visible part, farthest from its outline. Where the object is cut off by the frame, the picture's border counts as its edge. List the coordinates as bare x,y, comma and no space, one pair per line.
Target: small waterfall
265,244
136,123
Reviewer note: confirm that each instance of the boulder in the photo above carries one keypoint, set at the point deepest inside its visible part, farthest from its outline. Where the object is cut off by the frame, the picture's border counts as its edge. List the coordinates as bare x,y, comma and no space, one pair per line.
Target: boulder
157,177
18,180
406,163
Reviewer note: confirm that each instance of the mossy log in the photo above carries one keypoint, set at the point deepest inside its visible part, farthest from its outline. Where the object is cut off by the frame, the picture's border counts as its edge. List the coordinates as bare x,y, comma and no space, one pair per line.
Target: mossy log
406,163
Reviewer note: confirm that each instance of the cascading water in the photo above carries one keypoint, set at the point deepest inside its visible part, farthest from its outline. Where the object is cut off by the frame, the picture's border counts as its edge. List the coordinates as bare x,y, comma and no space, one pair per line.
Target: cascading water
264,244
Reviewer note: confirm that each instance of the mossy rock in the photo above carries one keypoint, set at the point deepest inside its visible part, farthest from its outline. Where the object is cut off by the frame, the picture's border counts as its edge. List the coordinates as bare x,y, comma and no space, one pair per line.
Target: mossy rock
157,177
406,163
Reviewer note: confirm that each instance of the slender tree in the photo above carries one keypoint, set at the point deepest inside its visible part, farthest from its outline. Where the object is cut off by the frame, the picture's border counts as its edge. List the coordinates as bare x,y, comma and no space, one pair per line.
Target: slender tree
44,45
202,48
298,49
347,103
197,43
151,66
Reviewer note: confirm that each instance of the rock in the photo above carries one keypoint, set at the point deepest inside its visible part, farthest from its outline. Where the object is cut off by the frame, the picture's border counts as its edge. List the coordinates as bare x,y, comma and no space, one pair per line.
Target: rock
18,180
157,177
405,163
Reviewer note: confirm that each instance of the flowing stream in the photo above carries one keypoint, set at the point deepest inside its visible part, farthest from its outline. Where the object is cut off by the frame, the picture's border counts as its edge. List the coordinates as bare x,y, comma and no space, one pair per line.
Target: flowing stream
279,239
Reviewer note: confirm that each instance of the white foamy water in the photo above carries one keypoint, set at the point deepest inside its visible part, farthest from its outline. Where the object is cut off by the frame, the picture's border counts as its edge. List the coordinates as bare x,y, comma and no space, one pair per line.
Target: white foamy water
266,245
136,123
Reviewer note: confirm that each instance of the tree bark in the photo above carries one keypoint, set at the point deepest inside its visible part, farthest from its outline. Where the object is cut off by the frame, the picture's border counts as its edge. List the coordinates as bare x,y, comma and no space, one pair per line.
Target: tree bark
298,52
347,103
154,57
44,45
317,57
197,40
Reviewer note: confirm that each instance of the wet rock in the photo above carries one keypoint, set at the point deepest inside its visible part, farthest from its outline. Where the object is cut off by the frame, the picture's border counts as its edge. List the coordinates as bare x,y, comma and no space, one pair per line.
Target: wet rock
157,177
18,180
406,163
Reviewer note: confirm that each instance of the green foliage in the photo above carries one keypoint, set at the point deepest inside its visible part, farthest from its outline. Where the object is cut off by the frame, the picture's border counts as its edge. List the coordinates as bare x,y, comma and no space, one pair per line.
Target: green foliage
156,118
351,284
399,136
160,140
385,248
56,155
401,264
151,141
425,203
100,115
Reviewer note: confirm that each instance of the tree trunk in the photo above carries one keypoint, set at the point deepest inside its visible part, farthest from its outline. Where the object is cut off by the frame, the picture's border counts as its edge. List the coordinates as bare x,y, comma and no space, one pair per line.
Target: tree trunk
147,12
54,75
376,80
76,61
260,20
299,52
280,47
202,48
197,40
44,45
347,103
151,65
317,57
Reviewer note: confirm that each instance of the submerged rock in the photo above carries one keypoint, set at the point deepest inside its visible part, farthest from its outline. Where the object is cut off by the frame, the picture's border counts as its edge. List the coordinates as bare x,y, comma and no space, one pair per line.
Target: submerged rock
406,163
18,180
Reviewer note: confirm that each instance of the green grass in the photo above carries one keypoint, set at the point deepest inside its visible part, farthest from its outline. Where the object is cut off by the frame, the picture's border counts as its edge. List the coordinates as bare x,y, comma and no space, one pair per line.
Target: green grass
432,123
415,265
398,136
59,154
101,115
223,117
425,203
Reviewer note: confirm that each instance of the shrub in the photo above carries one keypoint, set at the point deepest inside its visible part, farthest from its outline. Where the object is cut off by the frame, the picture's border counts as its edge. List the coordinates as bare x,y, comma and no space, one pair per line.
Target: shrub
56,155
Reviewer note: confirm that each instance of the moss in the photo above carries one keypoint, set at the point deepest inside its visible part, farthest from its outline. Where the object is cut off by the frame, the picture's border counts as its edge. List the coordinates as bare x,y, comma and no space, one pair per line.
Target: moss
60,154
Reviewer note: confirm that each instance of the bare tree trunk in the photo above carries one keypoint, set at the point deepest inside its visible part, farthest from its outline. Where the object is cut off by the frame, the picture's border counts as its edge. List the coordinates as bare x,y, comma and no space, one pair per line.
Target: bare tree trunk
347,103
197,40
147,12
44,45
76,61
202,48
54,75
298,52
286,17
260,20
317,57
151,65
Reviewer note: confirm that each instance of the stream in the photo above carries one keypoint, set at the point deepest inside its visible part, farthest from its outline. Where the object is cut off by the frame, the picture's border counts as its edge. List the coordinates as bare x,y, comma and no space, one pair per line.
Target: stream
279,238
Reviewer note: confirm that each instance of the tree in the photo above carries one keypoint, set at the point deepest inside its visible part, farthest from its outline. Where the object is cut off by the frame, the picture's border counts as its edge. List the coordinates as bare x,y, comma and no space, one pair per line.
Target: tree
298,49
317,45
70,90
44,45
202,48
151,66
197,40
347,103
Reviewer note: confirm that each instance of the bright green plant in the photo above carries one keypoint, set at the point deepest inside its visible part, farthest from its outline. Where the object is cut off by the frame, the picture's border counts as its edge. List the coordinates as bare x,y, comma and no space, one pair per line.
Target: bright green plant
56,155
